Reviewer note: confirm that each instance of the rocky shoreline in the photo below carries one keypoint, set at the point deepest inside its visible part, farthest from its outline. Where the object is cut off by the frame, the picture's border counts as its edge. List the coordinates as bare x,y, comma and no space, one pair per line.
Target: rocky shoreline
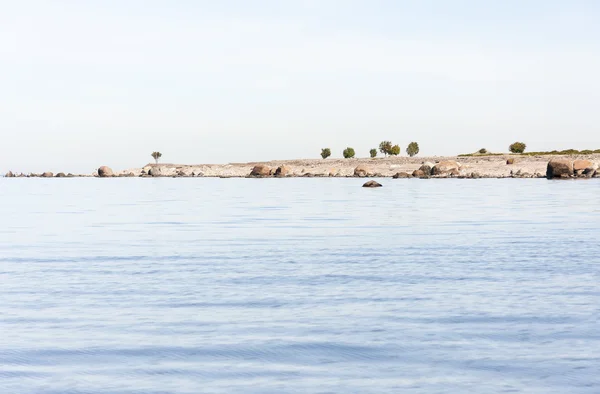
498,166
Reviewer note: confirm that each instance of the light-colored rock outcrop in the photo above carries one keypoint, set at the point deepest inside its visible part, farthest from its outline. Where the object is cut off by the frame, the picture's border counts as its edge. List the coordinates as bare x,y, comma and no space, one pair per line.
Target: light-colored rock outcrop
362,171
261,170
105,172
445,167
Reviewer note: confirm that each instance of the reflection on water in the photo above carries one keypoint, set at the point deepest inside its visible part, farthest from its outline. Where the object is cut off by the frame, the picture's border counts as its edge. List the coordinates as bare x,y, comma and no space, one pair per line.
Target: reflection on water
299,285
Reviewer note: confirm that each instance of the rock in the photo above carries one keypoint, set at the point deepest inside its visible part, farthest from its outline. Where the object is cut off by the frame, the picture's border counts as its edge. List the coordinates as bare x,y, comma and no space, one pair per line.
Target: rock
445,167
155,172
419,174
581,165
474,175
332,172
261,170
401,175
372,184
9,175
105,172
61,175
589,173
69,175
283,171
47,174
454,172
510,161
427,167
559,168
362,171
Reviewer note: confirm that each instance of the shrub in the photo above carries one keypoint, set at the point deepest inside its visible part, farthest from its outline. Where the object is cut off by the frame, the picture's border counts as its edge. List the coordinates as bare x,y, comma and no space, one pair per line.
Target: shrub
517,147
373,153
482,151
395,151
156,156
348,153
385,147
412,149
325,153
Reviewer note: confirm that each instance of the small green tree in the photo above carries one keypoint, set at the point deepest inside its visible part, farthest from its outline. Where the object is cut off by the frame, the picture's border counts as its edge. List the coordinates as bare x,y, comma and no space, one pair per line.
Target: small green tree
482,151
325,153
395,151
412,149
385,147
348,153
517,147
156,156
373,152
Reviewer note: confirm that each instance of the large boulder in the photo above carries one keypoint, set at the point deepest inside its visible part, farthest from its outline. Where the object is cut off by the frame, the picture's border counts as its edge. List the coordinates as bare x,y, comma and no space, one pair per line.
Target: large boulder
445,167
362,171
261,170
372,184
420,174
47,174
427,167
104,172
61,175
155,172
9,175
559,168
283,171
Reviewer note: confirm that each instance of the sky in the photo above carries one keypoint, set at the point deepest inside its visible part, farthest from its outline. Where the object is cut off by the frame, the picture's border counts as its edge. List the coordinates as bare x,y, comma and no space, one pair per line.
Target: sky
90,83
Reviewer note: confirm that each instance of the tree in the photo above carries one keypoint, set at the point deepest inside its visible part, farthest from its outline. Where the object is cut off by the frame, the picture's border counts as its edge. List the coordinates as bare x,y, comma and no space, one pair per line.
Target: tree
482,151
395,151
373,153
325,153
517,147
156,156
348,153
385,147
412,149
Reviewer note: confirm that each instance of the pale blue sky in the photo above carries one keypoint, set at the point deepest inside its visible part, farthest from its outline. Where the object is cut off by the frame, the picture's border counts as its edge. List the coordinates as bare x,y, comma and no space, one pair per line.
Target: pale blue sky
86,83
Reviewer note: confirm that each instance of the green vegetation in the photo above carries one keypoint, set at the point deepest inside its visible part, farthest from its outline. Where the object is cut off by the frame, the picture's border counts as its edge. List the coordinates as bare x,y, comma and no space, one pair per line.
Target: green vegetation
517,147
348,153
482,151
373,152
325,153
412,149
395,151
565,152
385,147
156,156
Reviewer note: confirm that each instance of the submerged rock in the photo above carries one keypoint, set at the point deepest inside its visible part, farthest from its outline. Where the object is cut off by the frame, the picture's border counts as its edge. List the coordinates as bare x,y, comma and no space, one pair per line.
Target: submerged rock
372,184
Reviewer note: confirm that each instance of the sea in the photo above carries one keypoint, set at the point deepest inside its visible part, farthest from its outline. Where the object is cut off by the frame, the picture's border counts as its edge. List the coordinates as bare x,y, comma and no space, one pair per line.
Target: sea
303,285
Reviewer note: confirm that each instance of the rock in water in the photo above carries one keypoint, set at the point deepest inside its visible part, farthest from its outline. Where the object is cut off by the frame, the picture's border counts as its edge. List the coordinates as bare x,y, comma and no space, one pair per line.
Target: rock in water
283,171
372,184
261,170
420,174
401,175
61,175
9,175
584,168
559,168
104,172
47,174
362,171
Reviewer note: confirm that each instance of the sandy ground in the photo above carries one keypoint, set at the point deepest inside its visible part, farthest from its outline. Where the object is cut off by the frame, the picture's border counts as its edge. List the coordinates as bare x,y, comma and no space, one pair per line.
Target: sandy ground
484,166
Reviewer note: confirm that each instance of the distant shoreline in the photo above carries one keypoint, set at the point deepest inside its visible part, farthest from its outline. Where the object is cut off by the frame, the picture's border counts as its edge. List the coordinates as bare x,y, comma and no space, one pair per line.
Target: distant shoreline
479,166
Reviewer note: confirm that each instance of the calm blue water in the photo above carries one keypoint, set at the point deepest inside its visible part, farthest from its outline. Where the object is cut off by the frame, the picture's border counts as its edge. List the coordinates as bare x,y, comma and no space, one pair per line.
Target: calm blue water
299,286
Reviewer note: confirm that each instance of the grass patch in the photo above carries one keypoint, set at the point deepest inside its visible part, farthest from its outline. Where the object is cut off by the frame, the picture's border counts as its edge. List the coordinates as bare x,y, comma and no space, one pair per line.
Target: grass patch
550,153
